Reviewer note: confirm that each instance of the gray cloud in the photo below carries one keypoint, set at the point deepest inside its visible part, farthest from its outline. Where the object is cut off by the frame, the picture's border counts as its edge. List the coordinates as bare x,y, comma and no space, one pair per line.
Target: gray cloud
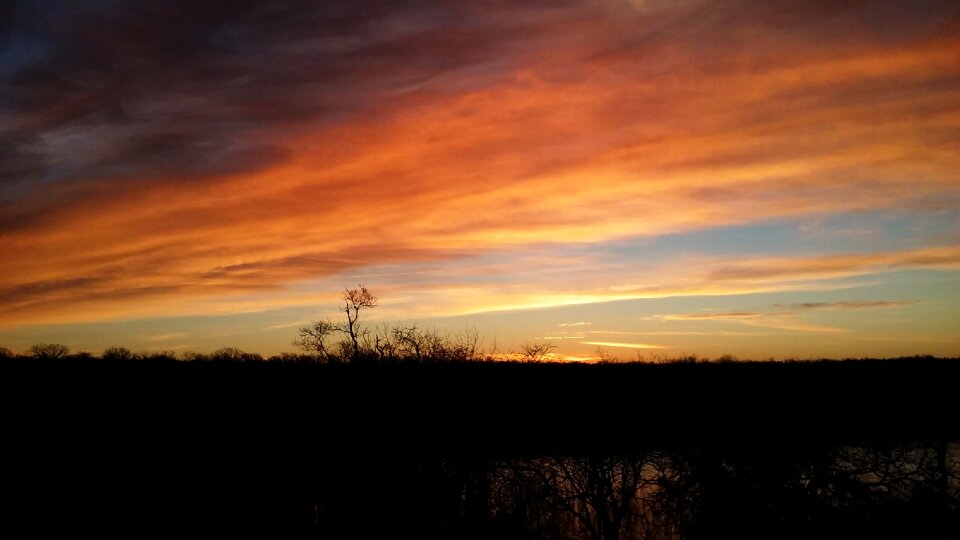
102,99
143,90
192,86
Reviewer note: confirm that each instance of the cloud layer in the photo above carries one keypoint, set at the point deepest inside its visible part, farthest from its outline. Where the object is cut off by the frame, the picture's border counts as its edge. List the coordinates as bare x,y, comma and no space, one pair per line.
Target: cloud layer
177,158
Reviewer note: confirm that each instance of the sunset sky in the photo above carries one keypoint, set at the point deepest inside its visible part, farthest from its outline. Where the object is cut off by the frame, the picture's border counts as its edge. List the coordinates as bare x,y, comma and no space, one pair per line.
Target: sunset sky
762,179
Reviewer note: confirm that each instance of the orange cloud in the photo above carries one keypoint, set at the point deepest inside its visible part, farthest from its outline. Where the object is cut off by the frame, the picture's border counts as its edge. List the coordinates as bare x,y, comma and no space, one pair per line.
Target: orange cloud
623,345
779,321
710,316
697,276
833,266
600,126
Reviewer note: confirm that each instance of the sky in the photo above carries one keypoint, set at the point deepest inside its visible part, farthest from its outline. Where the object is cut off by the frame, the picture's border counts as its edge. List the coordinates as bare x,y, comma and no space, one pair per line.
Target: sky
628,178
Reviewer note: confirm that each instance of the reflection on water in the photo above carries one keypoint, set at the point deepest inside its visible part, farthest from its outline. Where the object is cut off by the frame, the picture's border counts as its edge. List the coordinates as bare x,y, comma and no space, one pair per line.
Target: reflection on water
903,490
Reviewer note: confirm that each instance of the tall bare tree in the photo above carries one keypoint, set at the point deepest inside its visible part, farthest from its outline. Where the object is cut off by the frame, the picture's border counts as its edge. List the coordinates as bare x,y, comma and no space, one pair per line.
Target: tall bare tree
355,301
313,337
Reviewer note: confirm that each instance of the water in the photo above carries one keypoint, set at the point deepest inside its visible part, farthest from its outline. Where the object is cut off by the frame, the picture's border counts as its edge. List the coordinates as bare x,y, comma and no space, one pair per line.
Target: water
903,490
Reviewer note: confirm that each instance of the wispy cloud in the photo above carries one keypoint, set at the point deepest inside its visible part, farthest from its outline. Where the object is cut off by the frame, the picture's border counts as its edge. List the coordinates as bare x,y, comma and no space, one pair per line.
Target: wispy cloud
172,348
167,337
214,159
708,316
285,325
789,320
908,339
575,324
794,325
623,345
833,266
778,320
679,333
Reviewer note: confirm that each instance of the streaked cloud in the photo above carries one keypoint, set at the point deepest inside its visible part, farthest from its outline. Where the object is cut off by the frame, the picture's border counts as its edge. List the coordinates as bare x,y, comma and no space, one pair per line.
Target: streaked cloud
676,333
286,325
776,320
784,320
623,345
707,316
167,337
779,269
794,325
907,339
684,276
172,159
175,348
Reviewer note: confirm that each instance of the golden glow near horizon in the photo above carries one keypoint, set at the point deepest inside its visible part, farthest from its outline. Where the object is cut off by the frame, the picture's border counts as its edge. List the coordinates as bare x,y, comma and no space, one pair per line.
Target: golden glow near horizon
644,164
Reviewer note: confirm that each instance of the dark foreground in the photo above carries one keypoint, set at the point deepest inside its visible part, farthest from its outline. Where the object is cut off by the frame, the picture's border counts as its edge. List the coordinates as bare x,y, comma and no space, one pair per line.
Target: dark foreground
818,450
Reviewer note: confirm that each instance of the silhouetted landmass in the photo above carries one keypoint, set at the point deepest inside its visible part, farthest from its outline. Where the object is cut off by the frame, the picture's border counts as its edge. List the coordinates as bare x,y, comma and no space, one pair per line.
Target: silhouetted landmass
827,449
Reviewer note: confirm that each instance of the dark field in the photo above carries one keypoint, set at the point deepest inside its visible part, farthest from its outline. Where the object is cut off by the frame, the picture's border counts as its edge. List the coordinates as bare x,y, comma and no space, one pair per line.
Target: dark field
482,450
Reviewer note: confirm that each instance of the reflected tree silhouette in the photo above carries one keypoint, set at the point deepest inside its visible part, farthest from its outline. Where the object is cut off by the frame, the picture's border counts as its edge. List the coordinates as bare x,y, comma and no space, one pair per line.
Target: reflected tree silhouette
482,450
878,491
593,497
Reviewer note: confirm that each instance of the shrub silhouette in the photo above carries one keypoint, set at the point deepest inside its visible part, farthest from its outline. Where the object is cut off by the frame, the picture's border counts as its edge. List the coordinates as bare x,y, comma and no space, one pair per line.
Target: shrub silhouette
49,351
230,354
117,353
536,352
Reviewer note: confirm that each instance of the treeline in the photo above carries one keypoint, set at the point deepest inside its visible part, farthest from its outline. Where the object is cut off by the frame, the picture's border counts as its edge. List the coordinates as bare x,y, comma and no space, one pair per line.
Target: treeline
477,450
57,351
351,341
410,344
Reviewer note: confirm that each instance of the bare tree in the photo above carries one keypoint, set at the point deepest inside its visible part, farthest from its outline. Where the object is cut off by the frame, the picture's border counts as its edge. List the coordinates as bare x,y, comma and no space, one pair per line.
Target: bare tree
49,351
117,353
536,352
384,343
313,338
231,354
464,345
605,356
354,301
412,342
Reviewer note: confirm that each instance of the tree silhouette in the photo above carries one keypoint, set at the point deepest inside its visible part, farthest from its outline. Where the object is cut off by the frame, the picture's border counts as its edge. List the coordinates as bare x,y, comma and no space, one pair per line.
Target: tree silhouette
413,342
536,352
590,496
354,301
384,344
49,351
313,338
231,354
117,353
